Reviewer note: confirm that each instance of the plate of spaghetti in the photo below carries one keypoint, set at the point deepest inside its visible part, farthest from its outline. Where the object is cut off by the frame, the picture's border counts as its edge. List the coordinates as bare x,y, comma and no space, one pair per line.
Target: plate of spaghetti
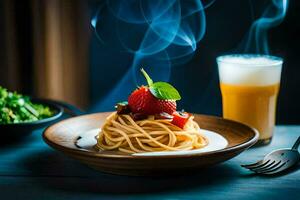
147,135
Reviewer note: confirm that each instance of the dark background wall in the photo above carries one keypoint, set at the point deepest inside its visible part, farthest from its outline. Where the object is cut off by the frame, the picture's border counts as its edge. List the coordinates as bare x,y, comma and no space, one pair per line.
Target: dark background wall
227,24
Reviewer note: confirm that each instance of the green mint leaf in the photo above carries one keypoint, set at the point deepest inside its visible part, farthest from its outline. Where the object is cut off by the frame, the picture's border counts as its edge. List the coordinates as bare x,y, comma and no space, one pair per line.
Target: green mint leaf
165,91
123,103
149,80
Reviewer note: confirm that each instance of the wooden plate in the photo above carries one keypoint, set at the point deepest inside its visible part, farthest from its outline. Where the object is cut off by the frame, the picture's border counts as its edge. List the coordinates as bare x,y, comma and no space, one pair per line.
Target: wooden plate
63,135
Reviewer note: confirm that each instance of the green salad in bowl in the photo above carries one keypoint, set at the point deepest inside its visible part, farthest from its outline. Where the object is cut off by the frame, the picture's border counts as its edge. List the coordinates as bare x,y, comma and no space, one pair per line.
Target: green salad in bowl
16,108
21,115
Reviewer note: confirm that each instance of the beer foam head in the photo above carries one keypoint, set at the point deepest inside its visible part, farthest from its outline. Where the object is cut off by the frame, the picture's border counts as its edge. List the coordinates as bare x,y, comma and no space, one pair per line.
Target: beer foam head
248,69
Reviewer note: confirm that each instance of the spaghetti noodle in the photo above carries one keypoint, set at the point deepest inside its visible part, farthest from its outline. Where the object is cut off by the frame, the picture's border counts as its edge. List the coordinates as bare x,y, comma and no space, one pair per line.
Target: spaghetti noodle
121,132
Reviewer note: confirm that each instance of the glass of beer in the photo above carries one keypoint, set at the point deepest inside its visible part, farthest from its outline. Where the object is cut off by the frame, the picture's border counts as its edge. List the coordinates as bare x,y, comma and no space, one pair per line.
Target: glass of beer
249,85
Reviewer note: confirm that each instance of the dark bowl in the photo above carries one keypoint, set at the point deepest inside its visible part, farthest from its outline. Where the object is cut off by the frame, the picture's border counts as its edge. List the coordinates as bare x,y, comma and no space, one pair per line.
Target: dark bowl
9,132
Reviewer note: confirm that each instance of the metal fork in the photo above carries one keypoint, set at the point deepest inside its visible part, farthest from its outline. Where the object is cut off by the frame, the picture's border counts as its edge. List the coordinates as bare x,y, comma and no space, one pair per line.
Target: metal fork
276,161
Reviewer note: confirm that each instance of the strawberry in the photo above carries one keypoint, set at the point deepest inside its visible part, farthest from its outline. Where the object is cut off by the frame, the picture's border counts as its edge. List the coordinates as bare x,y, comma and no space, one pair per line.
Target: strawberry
144,102
180,118
156,98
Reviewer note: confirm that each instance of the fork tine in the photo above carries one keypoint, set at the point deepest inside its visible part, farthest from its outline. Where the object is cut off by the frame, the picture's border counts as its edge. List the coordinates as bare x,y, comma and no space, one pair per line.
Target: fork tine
253,164
274,170
259,165
270,168
269,165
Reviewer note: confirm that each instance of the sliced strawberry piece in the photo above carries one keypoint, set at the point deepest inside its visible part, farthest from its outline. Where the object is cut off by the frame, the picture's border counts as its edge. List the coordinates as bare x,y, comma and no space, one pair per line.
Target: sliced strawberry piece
180,118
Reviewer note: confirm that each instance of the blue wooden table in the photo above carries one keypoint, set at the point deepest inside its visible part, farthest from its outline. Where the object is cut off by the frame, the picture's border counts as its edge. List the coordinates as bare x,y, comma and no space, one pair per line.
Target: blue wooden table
32,170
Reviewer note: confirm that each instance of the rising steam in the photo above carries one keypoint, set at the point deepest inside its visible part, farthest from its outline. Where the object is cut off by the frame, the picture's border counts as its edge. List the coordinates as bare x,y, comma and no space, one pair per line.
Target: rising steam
156,33
273,15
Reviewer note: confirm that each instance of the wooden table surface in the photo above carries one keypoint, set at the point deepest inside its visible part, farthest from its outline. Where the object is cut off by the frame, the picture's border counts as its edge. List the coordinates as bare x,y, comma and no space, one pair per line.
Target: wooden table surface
32,170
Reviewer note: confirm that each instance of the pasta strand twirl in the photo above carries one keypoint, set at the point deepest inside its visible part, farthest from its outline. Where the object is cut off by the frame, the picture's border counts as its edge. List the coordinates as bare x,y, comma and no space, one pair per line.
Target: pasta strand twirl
121,132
